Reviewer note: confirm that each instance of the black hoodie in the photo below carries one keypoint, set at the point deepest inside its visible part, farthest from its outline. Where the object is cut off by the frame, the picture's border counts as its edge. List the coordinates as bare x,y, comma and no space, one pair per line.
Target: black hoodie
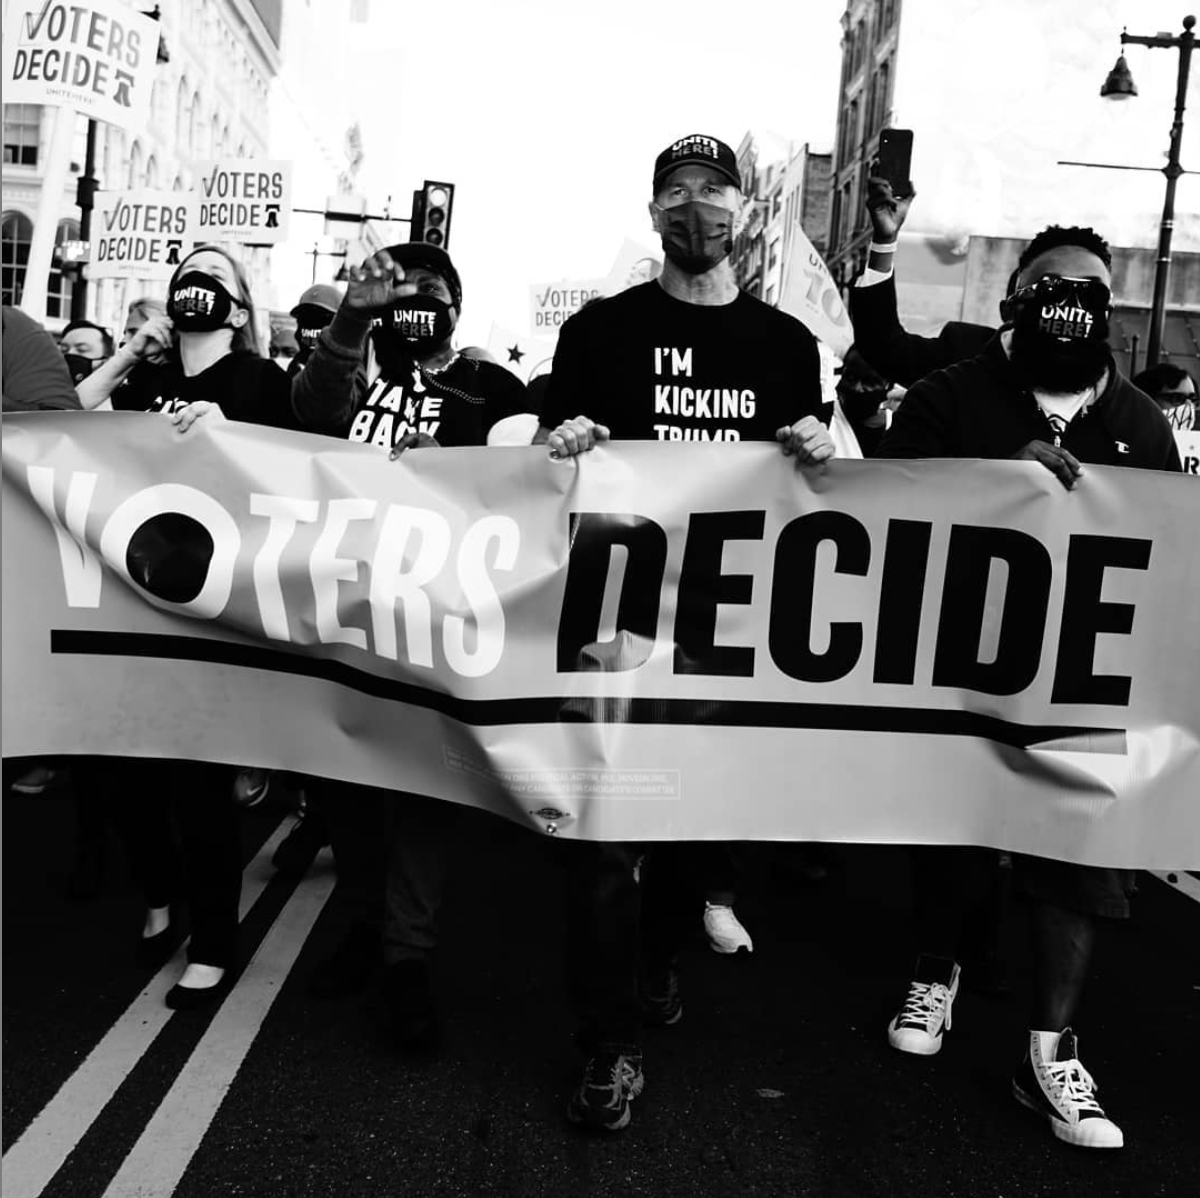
981,408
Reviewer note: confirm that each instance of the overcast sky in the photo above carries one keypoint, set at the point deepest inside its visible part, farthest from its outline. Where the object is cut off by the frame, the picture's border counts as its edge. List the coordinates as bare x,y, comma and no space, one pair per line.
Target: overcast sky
549,120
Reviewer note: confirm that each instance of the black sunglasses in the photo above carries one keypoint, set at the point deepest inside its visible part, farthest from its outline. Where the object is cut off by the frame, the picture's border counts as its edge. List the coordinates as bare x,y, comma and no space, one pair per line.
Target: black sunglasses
1059,289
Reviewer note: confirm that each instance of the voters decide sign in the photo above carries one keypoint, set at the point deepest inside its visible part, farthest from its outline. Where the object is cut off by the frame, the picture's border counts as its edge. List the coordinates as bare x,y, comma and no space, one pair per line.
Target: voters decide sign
138,234
241,199
96,57
550,304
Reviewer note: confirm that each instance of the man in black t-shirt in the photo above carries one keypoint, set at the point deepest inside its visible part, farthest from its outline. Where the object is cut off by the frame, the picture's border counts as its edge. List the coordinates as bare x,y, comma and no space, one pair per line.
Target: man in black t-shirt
685,357
385,372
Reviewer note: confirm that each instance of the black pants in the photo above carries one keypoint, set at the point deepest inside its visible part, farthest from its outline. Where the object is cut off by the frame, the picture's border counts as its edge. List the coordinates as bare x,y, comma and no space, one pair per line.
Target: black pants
620,930
393,852
179,825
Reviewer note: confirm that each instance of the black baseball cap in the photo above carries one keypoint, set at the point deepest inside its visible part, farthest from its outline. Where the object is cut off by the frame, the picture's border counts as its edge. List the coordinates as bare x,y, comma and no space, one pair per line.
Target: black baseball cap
697,149
412,255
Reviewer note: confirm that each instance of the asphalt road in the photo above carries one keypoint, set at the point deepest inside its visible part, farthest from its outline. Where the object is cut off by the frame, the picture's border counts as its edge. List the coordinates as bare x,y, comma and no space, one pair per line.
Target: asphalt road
778,1081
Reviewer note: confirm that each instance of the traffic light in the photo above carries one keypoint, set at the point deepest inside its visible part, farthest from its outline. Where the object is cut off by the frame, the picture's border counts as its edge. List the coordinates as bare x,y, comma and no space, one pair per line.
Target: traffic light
431,213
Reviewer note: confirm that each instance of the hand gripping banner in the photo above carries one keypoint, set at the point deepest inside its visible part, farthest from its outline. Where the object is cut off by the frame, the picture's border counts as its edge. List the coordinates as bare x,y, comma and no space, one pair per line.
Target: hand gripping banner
649,642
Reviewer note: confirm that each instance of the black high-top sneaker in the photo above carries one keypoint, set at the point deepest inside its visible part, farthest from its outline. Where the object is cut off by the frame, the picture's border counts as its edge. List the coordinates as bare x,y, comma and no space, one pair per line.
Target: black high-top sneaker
1053,1082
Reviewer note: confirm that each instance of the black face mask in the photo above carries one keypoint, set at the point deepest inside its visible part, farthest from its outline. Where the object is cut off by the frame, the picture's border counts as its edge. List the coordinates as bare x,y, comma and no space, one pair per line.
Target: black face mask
306,339
1060,333
413,329
199,303
696,236
79,366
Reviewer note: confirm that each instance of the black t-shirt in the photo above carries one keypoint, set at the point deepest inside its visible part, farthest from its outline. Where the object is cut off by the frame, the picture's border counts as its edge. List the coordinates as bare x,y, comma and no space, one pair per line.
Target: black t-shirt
652,367
456,406
242,384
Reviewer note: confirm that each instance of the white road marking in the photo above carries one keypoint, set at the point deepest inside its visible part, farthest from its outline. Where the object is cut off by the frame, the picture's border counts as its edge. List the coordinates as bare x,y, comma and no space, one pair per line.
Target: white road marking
1180,880
164,1150
46,1143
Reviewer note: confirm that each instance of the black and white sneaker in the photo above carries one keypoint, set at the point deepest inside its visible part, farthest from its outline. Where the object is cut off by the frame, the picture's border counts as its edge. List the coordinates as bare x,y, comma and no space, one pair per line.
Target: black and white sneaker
1053,1082
920,1024
611,1081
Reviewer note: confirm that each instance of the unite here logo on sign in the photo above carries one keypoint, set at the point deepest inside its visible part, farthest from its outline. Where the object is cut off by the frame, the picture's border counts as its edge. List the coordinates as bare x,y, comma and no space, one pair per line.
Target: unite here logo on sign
96,57
241,199
138,234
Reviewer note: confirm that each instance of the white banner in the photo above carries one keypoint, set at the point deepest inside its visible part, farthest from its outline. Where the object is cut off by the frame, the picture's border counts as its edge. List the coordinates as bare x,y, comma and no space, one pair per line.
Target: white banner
242,199
139,234
811,296
95,56
550,304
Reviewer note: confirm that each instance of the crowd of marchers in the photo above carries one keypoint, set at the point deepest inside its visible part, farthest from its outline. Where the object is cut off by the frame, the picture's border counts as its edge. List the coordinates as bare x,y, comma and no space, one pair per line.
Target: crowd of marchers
379,365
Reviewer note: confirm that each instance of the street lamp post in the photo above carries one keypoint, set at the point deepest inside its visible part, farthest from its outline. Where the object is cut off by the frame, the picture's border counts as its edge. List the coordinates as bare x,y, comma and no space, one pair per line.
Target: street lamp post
85,191
1119,85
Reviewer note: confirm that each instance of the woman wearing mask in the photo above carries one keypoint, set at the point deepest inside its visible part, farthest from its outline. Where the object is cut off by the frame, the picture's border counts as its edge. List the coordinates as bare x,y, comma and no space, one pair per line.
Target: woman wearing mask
216,360
210,359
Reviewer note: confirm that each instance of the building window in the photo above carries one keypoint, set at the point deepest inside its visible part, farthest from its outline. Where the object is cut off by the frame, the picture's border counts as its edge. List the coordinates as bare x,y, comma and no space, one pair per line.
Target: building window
61,282
182,147
771,295
196,129
880,97
773,256
890,12
152,172
135,177
15,236
22,125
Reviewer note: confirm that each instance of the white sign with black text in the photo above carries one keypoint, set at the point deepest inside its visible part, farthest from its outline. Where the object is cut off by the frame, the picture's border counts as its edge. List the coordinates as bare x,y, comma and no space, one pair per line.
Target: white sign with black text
95,56
241,199
140,234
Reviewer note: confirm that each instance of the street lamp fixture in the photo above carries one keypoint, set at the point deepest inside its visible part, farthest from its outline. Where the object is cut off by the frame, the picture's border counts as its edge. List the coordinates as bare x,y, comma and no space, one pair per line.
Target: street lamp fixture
1119,86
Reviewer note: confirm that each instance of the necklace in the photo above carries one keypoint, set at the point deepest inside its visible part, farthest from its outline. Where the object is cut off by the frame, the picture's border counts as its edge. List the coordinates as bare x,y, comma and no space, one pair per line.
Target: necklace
444,367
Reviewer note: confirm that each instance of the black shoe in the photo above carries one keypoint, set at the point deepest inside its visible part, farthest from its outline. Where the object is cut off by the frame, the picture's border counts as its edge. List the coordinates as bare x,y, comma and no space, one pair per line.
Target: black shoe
192,998
611,1081
349,968
658,994
157,950
298,848
410,1005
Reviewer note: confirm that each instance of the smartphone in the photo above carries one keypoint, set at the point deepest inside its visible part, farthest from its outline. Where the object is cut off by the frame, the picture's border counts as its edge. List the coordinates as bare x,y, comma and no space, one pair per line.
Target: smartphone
895,159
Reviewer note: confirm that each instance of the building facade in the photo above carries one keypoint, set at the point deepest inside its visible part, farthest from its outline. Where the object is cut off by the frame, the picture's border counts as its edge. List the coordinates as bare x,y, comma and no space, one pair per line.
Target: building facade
210,100
784,183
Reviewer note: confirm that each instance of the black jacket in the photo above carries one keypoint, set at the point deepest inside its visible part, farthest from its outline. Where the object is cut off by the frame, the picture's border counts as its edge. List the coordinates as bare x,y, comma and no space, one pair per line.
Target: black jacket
982,409
903,357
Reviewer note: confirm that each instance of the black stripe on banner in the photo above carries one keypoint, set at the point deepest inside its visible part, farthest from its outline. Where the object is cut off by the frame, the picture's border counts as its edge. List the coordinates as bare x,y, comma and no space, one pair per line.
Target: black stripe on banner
554,709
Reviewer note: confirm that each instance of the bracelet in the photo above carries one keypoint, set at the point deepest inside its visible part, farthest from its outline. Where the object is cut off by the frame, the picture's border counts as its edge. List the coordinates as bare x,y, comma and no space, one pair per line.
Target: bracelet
876,248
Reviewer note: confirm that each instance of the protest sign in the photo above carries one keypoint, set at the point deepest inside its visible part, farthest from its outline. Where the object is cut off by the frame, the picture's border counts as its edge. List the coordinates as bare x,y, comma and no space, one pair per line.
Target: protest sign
634,264
139,234
550,304
95,56
811,296
242,199
1189,452
651,641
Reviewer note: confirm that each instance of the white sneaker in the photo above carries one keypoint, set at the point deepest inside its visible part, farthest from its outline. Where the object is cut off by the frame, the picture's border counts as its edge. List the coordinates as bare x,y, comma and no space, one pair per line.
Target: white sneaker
724,929
919,1025
1053,1082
